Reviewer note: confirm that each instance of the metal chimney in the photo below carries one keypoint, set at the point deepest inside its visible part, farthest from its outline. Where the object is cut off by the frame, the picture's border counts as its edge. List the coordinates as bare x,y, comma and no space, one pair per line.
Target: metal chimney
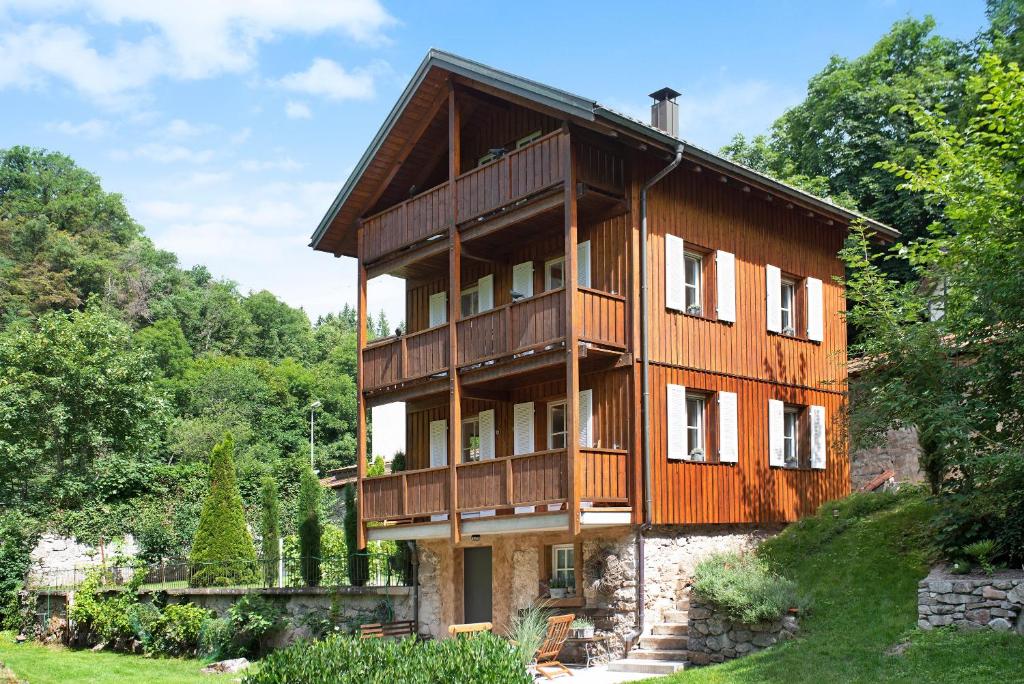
665,111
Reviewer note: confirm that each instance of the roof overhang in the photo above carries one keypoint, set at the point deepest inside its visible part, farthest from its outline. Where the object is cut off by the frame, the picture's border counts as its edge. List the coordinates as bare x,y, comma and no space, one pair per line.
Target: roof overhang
336,231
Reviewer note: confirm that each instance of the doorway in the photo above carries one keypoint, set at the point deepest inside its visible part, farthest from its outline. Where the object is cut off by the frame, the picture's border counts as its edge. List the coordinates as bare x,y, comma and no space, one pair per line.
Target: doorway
476,590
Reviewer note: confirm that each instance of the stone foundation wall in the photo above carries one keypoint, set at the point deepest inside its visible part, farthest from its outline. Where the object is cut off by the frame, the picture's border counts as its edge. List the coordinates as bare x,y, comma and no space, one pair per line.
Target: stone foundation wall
715,638
56,558
971,601
900,453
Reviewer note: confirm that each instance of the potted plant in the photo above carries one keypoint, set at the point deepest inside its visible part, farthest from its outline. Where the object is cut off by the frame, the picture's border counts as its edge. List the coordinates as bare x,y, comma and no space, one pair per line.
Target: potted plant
556,587
582,628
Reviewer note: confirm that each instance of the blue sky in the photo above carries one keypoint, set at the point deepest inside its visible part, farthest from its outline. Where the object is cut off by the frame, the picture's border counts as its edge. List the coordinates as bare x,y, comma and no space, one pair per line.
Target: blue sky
229,125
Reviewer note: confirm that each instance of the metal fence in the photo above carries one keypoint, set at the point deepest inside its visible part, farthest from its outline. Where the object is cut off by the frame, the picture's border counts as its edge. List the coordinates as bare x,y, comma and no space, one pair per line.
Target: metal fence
358,569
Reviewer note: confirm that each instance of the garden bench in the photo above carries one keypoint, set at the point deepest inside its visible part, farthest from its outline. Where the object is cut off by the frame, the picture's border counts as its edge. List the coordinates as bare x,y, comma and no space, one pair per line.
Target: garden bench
470,628
390,630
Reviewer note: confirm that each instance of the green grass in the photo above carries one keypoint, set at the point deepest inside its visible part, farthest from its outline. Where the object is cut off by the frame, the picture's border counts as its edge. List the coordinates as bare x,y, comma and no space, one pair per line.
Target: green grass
860,571
39,664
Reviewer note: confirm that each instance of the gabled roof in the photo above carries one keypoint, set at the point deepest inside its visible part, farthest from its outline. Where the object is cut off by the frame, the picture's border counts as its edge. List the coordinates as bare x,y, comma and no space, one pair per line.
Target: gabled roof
335,234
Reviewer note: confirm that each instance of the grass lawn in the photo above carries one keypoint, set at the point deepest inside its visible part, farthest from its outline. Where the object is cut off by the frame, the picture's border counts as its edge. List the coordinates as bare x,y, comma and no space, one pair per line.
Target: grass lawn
861,571
38,664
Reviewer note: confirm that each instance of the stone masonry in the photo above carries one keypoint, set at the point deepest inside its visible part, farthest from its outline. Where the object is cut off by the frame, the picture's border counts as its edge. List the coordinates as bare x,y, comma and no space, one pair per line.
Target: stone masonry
971,601
898,452
715,638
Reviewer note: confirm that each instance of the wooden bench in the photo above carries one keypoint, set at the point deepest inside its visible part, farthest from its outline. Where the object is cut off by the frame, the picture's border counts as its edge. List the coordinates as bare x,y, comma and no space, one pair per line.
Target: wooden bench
387,630
470,628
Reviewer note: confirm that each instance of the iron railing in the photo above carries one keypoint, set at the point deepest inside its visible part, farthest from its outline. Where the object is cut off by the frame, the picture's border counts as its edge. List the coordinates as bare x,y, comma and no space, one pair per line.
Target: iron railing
358,569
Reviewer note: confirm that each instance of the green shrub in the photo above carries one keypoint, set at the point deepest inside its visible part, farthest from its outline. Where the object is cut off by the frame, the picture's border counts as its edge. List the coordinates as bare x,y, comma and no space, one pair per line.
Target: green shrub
18,535
483,659
215,639
743,587
109,619
528,629
223,553
310,531
270,529
983,551
253,618
177,630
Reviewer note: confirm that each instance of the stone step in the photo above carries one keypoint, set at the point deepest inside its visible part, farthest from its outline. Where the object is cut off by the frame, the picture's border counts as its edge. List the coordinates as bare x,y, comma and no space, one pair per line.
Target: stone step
660,654
659,642
656,667
675,616
671,629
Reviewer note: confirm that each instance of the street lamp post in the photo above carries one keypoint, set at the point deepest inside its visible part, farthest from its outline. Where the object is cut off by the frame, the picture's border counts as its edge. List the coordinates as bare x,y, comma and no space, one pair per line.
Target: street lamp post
312,410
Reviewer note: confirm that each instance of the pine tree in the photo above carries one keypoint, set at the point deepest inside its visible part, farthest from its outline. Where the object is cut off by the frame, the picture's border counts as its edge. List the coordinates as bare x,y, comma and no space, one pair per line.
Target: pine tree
270,529
309,527
223,553
358,562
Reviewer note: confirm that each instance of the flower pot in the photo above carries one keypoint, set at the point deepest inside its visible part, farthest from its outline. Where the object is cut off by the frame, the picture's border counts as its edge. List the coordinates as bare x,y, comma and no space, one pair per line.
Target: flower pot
587,632
557,593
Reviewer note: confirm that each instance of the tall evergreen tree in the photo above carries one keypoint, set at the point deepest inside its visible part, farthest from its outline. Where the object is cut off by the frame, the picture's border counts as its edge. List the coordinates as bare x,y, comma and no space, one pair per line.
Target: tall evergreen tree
270,529
358,562
309,526
223,553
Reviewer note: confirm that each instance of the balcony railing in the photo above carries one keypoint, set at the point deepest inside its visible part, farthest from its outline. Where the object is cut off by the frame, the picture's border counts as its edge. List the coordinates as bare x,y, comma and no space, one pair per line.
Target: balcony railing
529,479
524,172
407,223
406,495
602,317
512,328
603,475
409,357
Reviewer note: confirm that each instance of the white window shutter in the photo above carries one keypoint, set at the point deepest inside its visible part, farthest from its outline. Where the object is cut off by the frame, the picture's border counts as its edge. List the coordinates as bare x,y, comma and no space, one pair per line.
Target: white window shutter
586,408
522,279
773,297
485,292
675,402
522,428
438,308
817,419
438,443
725,275
815,310
776,430
728,428
583,264
486,434
675,280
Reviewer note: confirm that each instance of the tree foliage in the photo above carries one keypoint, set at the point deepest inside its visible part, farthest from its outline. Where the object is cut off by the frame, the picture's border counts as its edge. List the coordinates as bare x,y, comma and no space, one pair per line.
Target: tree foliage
310,529
270,529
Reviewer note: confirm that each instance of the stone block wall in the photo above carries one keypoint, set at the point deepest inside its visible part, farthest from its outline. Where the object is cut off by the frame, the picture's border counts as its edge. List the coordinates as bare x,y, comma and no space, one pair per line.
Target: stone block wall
715,638
899,452
971,601
57,559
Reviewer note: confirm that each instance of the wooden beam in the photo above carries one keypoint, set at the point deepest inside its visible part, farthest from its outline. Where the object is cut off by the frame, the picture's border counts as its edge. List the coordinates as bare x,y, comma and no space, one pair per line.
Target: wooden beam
485,394
454,298
572,352
360,399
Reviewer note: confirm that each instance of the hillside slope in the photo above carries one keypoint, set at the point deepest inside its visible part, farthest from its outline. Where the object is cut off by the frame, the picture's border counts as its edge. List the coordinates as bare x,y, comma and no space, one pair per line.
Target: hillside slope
861,571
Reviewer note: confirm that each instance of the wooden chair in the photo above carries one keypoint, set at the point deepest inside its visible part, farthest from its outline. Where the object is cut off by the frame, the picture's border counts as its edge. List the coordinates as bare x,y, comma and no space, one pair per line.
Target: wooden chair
389,630
470,628
547,655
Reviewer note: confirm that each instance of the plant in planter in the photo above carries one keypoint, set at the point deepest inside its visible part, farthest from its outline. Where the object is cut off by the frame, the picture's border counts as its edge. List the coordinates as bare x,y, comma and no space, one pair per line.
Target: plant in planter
582,628
557,587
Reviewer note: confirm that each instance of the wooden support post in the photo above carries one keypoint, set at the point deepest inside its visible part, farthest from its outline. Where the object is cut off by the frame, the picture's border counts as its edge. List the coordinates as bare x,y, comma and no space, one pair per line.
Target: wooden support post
572,378
454,300
360,399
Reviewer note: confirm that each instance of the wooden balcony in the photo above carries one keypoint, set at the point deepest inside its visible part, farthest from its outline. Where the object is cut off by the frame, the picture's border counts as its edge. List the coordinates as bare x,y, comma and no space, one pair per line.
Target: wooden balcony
408,223
501,484
602,317
513,328
395,360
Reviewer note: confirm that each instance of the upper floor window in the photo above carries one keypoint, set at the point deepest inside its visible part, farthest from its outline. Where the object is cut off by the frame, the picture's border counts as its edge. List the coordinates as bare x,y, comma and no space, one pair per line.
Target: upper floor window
471,439
558,430
696,408
795,306
471,301
554,273
787,306
693,283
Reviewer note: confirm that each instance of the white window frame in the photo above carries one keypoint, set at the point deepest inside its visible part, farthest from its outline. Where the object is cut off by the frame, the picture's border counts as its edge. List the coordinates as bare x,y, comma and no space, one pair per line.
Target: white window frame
551,423
696,289
468,422
475,290
547,273
528,139
696,434
787,314
791,436
558,569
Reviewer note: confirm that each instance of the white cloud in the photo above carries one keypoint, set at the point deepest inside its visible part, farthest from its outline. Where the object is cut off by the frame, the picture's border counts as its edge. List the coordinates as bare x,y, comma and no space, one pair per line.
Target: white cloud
241,136
326,78
167,154
185,39
297,110
179,128
91,129
286,164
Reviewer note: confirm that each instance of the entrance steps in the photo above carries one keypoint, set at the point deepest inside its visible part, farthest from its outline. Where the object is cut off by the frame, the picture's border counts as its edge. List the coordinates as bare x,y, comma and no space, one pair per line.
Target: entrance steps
662,650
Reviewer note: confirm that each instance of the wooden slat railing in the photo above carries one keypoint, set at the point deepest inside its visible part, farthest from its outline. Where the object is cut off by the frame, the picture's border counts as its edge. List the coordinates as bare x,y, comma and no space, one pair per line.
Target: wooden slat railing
398,359
404,224
602,317
600,168
530,479
512,328
514,176
602,475
405,495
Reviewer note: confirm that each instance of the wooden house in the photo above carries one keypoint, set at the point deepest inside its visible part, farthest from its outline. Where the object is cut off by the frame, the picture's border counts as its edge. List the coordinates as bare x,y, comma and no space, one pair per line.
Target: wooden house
611,336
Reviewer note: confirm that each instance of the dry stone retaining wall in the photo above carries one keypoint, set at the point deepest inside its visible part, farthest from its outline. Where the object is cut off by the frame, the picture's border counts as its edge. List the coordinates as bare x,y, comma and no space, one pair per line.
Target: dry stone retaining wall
715,637
971,601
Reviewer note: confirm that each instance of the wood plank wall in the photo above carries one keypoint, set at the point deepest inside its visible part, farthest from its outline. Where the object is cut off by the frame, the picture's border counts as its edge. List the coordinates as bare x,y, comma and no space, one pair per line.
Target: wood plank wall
492,126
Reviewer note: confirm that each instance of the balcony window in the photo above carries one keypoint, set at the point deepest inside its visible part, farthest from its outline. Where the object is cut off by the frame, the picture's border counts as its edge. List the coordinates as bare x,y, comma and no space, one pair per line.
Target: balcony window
471,301
554,273
563,564
471,440
696,408
693,283
557,428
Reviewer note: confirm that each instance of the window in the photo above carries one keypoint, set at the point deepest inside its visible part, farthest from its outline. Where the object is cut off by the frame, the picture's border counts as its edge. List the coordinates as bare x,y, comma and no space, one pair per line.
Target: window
563,563
554,273
557,428
471,301
787,305
471,439
695,411
527,139
693,285
791,437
